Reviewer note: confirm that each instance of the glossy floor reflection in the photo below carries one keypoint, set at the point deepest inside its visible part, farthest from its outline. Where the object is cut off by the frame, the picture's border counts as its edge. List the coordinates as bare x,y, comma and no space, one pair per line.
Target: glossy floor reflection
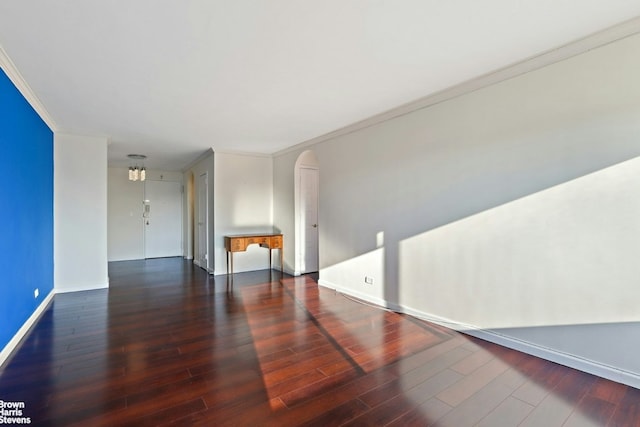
169,345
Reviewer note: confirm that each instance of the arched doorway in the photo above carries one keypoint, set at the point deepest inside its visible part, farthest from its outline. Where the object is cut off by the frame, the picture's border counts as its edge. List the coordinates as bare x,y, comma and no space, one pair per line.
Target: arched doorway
306,189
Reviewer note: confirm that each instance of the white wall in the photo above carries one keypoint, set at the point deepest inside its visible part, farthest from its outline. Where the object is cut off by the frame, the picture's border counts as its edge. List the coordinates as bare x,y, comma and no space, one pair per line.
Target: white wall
125,229
284,206
510,209
244,204
80,213
125,224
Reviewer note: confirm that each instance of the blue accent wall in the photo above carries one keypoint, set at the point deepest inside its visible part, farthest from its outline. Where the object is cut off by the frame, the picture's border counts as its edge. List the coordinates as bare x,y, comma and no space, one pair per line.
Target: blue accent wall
26,210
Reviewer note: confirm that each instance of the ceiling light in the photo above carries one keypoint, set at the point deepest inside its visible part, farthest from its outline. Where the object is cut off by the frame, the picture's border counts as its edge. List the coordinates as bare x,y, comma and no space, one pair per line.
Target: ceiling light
137,172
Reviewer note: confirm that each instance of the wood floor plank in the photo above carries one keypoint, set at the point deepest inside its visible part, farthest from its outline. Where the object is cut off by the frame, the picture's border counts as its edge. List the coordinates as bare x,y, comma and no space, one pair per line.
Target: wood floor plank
426,414
297,382
557,406
473,362
591,412
301,394
511,412
472,383
345,412
472,410
627,412
413,378
168,344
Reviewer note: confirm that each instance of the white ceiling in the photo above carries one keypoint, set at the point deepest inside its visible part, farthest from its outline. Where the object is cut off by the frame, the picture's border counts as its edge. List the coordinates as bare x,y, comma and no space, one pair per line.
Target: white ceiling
171,78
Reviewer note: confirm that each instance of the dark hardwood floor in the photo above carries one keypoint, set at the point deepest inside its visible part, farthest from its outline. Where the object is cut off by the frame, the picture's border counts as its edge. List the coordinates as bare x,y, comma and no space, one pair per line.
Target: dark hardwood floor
169,345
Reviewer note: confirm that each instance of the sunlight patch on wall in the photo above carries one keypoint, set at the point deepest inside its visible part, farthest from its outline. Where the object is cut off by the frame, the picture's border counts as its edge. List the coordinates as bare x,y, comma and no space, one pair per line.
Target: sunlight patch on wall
362,276
566,255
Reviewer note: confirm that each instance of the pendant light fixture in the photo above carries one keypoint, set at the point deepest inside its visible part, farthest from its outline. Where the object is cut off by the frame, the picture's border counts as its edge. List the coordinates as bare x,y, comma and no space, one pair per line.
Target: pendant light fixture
137,172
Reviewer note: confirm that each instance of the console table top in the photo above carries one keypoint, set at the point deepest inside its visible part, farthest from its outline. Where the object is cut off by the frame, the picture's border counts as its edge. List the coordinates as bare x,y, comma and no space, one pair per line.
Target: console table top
235,236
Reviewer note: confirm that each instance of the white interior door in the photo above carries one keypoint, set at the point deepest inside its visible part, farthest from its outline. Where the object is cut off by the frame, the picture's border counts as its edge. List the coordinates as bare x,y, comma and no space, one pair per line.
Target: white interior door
162,219
203,242
309,220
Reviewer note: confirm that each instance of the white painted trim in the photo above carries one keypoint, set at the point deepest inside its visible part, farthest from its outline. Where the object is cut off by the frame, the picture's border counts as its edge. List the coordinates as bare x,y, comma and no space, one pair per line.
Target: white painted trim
350,292
582,364
22,332
244,153
20,83
577,47
204,267
566,359
287,270
204,178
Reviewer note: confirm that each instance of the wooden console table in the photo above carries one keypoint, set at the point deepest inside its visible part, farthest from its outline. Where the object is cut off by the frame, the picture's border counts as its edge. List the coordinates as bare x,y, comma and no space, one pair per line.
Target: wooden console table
240,242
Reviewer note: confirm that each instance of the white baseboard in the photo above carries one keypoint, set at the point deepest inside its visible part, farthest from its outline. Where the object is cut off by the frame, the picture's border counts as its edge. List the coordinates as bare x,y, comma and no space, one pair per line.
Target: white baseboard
566,359
76,288
13,343
291,271
199,264
351,292
573,361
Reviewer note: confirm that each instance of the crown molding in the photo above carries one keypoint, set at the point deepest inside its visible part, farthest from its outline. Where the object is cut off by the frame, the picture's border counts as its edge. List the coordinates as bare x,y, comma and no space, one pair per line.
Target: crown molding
244,153
207,153
574,48
20,83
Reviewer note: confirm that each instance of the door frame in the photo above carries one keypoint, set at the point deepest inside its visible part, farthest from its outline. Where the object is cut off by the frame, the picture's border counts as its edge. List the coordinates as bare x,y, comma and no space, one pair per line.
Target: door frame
306,160
202,198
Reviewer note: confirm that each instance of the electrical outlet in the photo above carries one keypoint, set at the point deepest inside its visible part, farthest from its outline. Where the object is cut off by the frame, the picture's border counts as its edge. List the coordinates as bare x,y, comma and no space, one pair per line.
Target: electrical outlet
36,292
368,280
